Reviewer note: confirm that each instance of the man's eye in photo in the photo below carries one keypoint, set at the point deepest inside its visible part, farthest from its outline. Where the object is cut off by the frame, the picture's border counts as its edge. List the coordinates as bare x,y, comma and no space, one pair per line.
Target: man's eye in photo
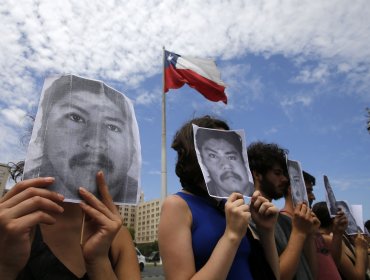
232,157
76,118
212,155
114,128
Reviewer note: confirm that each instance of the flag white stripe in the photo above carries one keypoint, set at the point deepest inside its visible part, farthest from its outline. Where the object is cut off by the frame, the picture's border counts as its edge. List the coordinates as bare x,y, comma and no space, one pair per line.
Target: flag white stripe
204,67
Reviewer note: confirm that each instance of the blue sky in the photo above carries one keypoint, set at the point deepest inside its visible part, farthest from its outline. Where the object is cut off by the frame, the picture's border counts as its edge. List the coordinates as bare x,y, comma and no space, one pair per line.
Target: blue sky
296,74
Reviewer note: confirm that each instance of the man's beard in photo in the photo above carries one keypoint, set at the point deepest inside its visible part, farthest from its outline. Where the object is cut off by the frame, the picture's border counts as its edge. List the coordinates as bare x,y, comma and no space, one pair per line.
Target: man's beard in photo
269,189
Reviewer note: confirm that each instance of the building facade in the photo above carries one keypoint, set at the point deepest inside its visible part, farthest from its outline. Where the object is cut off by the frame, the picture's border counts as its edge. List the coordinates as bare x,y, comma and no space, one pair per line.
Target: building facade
143,218
147,220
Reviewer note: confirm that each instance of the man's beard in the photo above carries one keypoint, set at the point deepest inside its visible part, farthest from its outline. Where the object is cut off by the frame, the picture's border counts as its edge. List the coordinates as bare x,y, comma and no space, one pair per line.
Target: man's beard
269,190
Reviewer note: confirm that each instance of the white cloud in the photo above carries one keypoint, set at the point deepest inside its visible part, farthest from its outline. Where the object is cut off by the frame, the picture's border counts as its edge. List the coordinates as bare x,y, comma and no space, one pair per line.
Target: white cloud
154,172
13,115
148,98
122,41
272,130
351,183
10,144
292,101
318,74
242,87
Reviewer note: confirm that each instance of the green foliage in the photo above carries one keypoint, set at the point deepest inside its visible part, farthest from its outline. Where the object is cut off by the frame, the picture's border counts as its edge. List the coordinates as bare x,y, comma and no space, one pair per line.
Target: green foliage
147,248
132,232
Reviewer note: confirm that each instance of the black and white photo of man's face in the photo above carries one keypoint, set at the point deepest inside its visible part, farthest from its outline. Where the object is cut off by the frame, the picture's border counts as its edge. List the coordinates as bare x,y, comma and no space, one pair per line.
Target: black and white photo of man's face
225,165
222,162
86,127
297,185
96,128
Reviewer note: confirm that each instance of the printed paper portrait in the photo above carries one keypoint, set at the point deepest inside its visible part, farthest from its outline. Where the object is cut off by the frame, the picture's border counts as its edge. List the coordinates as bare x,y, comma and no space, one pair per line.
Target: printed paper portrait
357,213
297,185
330,198
223,159
352,228
83,126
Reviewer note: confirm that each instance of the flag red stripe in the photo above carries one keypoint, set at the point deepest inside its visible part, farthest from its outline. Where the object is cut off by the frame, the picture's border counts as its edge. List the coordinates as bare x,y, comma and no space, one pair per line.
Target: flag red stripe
176,78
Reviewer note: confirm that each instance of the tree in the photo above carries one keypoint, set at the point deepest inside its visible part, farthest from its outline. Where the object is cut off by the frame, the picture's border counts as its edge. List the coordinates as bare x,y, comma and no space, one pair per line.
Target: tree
132,232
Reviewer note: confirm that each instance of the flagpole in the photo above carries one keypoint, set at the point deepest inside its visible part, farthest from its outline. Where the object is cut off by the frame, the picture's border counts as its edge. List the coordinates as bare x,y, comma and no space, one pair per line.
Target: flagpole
164,154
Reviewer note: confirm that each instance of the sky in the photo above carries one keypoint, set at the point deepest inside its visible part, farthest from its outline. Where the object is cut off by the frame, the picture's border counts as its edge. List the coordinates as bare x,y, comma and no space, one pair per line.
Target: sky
297,73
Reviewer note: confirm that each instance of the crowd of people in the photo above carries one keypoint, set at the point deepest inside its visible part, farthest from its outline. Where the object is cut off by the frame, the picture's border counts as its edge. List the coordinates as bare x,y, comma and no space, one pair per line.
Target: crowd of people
229,239
200,236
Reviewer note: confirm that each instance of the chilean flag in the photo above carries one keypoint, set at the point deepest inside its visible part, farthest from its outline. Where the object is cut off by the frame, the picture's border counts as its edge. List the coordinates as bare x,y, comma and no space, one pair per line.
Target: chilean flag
200,74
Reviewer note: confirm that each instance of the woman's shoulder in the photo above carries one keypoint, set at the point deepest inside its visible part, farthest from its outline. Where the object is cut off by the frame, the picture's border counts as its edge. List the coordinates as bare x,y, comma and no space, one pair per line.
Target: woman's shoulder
175,202
175,209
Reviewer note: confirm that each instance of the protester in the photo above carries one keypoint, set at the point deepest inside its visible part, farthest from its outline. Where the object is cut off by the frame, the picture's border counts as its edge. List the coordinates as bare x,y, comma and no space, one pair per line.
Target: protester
351,259
329,241
198,237
294,237
40,235
326,267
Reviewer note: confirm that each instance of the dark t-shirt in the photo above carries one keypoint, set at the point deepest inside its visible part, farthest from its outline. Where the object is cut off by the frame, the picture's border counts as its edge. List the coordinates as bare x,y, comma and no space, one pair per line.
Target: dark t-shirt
43,265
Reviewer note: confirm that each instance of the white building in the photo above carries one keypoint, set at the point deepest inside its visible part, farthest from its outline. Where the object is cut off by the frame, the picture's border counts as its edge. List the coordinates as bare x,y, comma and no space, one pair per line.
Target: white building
144,218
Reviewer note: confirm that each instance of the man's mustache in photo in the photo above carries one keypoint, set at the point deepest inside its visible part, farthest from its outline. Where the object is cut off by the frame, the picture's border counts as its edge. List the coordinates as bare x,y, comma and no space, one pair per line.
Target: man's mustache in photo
226,175
84,159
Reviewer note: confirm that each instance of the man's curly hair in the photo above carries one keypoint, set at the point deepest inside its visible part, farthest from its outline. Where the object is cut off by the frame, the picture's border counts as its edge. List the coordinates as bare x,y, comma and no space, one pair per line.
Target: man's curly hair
263,156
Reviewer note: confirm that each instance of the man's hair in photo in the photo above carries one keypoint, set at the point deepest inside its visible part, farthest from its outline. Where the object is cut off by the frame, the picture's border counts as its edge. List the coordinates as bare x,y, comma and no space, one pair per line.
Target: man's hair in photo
187,167
367,225
71,83
309,178
231,137
263,156
321,211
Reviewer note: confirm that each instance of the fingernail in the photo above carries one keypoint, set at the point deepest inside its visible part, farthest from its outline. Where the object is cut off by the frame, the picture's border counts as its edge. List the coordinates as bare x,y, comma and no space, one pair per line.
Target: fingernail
49,179
61,197
83,190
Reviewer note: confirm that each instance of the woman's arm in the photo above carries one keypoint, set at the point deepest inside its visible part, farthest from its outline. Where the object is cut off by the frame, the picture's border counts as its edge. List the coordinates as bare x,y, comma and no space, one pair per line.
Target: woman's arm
340,224
356,270
175,240
126,265
105,234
